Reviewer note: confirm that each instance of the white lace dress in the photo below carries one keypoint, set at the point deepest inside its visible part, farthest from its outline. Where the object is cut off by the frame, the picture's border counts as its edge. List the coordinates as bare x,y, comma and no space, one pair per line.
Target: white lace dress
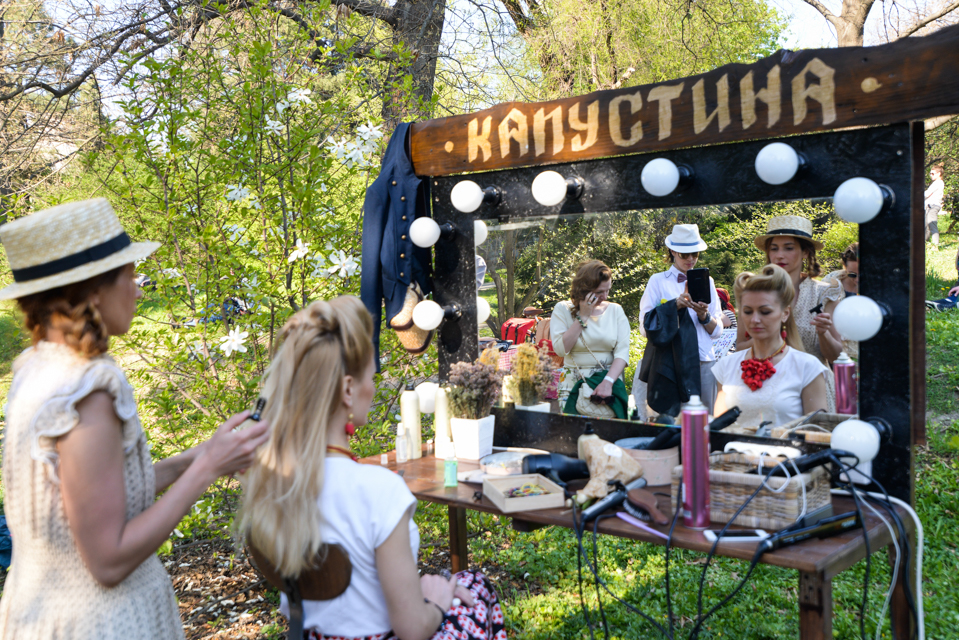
49,592
813,293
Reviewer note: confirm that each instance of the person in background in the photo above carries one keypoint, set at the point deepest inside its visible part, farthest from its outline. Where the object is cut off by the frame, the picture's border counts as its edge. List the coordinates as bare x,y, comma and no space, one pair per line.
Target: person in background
933,204
81,484
848,276
589,332
683,247
773,381
306,489
729,311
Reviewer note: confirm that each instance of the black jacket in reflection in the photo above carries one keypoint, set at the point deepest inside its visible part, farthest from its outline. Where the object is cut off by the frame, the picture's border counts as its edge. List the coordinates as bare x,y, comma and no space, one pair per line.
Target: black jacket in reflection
670,365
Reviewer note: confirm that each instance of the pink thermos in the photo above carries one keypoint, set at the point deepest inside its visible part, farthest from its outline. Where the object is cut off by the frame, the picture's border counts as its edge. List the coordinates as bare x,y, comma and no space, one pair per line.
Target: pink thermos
847,394
695,444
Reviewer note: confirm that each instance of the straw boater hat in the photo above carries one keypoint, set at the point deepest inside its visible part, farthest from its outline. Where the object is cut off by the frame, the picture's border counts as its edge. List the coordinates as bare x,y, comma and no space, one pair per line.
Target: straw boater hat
795,226
66,244
685,239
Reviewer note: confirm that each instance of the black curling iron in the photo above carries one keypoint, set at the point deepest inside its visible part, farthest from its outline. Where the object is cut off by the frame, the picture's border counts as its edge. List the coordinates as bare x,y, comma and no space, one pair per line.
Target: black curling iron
669,438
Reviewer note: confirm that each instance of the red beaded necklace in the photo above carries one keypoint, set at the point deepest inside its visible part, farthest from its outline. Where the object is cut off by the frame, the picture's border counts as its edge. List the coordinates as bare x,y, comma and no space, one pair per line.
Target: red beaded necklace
343,450
758,370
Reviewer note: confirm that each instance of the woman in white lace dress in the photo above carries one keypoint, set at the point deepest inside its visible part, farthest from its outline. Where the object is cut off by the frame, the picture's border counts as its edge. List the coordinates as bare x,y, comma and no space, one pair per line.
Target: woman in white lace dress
80,484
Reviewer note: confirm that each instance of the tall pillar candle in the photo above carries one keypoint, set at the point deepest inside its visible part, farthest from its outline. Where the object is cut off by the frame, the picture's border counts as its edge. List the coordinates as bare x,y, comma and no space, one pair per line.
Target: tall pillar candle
410,414
441,423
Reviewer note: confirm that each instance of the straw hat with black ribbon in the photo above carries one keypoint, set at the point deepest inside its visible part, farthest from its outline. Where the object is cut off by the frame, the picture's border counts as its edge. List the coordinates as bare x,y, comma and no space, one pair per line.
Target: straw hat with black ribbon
66,244
795,226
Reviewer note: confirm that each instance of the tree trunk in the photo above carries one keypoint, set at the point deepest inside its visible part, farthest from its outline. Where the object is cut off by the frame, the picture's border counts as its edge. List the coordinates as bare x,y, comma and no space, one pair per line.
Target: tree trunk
419,27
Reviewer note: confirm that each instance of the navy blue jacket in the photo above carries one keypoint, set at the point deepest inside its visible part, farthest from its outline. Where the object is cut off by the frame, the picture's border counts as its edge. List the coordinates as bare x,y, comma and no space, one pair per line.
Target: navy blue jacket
390,259
670,363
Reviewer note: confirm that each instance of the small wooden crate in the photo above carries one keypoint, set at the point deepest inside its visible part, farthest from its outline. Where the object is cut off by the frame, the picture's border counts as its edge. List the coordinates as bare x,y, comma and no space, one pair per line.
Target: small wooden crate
496,489
730,486
818,429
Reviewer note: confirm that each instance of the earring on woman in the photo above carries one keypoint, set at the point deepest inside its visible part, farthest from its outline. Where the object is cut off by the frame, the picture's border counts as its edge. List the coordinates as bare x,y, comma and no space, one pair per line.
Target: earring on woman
746,335
783,331
350,429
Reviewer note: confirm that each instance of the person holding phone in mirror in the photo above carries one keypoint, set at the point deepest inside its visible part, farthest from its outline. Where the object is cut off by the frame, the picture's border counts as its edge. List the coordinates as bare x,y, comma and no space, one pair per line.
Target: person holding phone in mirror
789,244
773,381
694,296
848,276
591,334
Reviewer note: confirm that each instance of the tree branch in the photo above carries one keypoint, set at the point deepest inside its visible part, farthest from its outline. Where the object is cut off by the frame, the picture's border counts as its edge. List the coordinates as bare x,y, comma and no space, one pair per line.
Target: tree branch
371,9
823,9
919,25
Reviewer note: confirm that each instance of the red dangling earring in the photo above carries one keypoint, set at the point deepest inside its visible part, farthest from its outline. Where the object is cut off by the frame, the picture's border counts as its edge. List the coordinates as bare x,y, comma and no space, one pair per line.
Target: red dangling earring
350,429
783,332
746,335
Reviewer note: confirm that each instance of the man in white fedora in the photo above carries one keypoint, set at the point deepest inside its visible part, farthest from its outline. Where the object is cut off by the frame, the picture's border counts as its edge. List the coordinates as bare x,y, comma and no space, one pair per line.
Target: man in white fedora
683,246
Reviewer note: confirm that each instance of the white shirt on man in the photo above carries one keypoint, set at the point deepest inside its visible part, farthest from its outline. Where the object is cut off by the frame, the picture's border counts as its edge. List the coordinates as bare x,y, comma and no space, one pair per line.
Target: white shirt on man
666,286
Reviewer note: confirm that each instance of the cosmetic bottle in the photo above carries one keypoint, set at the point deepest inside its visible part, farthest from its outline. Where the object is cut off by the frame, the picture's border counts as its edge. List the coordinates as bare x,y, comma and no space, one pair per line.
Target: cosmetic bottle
441,425
847,393
410,414
588,434
402,444
695,446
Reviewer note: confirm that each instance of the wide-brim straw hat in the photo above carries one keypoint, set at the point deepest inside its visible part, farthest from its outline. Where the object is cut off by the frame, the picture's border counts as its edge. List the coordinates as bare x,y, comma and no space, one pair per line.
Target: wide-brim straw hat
66,244
685,239
795,226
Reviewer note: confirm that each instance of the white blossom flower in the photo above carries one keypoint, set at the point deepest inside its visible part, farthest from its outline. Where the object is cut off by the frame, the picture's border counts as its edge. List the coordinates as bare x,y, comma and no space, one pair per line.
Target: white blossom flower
274,126
254,203
299,96
234,342
337,148
282,106
236,192
354,155
319,266
369,131
302,250
343,264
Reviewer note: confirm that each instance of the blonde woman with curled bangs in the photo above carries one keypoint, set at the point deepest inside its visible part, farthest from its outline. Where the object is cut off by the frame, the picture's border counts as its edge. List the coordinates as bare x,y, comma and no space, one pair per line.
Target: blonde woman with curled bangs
306,489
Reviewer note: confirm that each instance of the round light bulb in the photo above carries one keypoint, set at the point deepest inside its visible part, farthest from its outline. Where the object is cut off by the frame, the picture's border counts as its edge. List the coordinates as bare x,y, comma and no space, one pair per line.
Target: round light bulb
424,232
549,188
427,315
480,232
466,196
858,318
660,177
858,200
860,439
427,394
777,163
483,310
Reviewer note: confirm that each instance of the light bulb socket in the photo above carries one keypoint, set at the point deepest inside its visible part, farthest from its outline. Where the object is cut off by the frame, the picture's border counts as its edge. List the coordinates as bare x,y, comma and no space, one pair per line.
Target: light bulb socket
882,426
574,187
888,198
447,231
492,196
686,177
452,311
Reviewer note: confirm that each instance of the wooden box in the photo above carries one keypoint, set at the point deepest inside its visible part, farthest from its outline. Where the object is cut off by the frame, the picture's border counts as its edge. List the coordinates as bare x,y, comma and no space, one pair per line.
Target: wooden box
497,488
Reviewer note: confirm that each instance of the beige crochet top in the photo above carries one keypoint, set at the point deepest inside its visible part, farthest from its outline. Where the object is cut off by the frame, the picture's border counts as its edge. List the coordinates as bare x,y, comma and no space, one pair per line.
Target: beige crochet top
49,593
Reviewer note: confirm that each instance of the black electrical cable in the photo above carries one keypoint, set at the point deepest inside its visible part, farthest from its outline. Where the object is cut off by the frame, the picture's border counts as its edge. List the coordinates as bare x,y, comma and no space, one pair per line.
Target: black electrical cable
599,599
752,566
865,536
579,570
669,542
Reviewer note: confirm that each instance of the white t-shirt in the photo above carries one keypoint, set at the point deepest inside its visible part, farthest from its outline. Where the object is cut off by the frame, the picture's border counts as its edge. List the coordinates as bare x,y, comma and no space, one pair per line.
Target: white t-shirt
666,286
934,193
779,399
361,505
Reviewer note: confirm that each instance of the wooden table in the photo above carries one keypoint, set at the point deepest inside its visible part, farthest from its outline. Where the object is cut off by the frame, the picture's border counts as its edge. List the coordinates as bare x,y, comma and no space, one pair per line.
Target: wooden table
817,561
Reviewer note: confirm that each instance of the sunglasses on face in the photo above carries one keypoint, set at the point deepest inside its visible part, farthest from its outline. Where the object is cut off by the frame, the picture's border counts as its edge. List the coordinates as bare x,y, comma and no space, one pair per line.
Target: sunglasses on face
849,274
687,256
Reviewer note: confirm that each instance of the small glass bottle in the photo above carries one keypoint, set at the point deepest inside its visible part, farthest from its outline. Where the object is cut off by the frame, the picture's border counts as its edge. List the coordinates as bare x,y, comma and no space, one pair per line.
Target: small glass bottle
402,444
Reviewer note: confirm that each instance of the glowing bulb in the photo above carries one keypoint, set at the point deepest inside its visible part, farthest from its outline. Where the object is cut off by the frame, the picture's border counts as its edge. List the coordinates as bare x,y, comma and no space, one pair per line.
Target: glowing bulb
480,232
427,315
466,196
777,163
549,188
861,439
858,318
660,177
427,394
859,200
483,310
424,232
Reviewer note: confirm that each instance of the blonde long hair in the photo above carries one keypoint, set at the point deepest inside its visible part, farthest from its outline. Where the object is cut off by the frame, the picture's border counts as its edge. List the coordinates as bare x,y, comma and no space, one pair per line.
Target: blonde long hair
279,512
775,279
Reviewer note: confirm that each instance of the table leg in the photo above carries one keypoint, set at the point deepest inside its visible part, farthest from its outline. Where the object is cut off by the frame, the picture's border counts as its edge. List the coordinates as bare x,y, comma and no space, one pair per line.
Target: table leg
815,606
459,548
899,615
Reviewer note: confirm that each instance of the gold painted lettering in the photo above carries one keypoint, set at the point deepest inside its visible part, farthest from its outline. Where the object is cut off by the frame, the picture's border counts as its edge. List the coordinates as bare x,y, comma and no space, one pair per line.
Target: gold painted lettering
591,126
635,101
520,134
539,130
477,141
824,93
665,95
771,95
700,119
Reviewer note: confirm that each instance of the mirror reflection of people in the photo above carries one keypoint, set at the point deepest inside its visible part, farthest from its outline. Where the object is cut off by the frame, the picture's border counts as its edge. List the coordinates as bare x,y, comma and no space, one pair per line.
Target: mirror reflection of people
933,205
305,489
773,380
683,247
729,311
848,276
81,485
589,332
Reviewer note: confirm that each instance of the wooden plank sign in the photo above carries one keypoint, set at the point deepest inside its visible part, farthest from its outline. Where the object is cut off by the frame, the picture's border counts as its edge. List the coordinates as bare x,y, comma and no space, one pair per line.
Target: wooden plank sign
786,93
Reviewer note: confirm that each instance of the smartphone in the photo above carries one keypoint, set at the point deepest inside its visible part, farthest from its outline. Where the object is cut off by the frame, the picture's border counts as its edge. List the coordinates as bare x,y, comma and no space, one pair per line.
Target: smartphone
698,281
736,535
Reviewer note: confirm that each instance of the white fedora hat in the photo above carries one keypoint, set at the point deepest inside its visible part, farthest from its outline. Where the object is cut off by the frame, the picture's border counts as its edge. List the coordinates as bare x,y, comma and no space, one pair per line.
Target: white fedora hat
66,244
685,239
795,226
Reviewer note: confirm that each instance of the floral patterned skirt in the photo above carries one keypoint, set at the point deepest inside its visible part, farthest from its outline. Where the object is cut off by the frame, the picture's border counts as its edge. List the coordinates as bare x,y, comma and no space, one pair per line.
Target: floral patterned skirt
483,621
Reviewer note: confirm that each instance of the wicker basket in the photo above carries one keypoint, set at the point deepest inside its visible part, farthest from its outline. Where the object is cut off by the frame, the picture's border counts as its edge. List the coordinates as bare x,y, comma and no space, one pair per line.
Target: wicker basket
730,486
818,429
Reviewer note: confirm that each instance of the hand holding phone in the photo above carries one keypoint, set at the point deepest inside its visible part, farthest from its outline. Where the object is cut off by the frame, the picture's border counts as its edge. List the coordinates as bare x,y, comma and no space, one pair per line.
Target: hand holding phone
698,285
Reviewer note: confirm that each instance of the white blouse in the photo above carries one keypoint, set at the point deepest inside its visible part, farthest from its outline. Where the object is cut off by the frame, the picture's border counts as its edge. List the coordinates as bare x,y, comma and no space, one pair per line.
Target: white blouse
666,286
607,336
779,400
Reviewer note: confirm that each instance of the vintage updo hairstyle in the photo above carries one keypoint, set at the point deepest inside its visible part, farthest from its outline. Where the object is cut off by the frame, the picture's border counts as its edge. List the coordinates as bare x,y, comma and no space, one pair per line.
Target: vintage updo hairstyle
811,267
68,309
589,275
775,279
321,344
851,254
